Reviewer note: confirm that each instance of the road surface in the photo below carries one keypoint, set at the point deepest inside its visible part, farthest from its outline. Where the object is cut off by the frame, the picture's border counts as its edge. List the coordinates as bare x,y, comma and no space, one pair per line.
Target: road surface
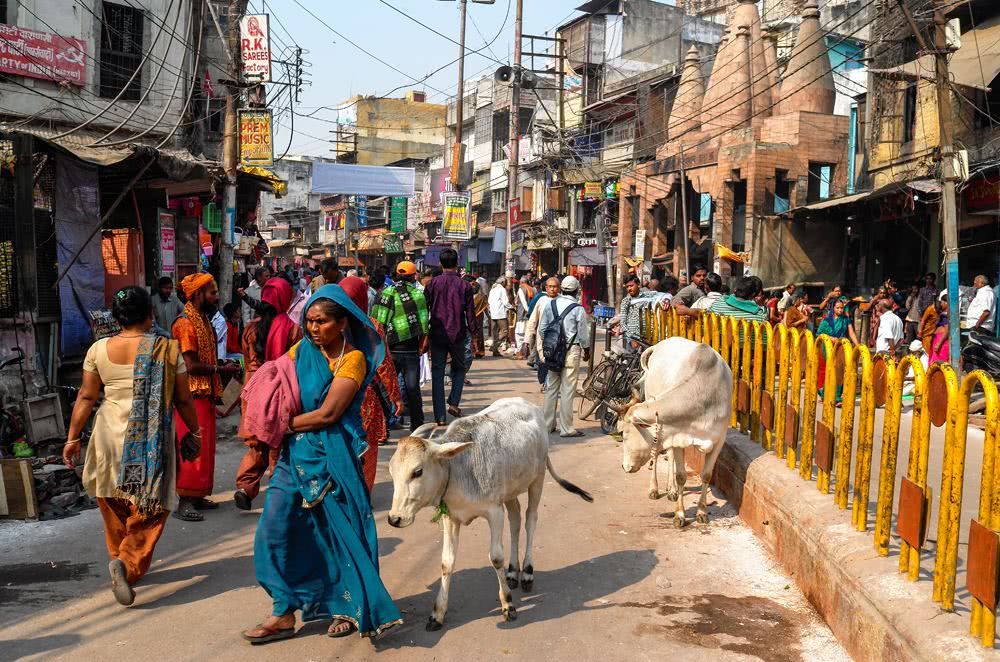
613,578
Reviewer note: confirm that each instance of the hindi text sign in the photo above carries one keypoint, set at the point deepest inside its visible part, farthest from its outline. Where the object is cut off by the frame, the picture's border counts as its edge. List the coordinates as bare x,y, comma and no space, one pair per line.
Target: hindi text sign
456,216
42,55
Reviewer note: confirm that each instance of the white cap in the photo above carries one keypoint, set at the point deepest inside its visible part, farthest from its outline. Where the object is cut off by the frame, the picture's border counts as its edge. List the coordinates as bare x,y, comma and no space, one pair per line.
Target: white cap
570,284
916,346
943,295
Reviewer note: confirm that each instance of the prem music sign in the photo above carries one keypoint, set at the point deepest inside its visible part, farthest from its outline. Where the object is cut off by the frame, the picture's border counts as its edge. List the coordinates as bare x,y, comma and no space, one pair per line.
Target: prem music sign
256,145
255,47
42,55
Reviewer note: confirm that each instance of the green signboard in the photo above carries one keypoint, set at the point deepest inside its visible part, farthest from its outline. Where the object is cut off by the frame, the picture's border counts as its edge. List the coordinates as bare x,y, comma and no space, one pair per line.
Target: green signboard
397,215
392,243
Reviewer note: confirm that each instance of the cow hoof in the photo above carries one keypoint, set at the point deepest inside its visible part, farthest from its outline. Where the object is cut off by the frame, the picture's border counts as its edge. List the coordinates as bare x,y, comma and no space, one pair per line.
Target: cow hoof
527,584
671,496
702,518
510,614
654,495
512,582
679,522
433,625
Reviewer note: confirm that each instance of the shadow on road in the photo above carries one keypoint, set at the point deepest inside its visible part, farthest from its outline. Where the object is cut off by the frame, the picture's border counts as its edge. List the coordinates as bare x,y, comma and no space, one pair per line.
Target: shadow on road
564,591
39,645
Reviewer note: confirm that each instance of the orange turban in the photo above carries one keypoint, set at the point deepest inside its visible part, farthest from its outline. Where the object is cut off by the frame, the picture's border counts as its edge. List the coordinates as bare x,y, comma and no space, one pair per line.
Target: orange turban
195,282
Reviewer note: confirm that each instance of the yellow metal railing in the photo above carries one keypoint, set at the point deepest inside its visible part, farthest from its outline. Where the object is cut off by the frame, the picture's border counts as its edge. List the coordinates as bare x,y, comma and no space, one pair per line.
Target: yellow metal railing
775,401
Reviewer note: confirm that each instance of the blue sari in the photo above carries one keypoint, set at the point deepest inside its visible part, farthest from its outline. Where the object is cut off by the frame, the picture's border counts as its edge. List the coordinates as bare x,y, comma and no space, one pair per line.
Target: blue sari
316,547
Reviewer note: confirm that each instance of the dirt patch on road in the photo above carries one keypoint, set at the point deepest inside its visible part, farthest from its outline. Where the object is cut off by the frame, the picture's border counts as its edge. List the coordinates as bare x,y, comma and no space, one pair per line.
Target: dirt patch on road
16,576
752,625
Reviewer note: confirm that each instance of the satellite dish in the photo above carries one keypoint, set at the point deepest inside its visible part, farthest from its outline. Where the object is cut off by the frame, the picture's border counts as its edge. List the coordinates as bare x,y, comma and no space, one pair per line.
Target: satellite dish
504,74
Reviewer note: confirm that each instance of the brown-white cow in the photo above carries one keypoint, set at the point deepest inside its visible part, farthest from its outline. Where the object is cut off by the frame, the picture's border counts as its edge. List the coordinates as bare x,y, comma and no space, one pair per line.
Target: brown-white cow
476,468
688,402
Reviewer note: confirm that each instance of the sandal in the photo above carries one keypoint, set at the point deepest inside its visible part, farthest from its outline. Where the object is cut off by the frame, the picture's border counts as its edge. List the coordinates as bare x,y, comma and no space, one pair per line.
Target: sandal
119,583
186,513
263,634
454,411
201,503
337,634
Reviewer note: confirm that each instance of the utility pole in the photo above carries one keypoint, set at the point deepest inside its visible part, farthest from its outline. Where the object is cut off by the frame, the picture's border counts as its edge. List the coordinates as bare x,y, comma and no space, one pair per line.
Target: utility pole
948,207
456,153
515,116
230,151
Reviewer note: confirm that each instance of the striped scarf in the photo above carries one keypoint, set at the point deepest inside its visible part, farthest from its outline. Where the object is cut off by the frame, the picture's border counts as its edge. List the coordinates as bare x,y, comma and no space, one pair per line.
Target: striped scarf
150,425
209,385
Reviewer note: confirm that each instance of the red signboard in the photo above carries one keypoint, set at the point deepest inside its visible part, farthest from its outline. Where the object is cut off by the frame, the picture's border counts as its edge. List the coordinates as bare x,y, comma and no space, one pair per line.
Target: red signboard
982,195
42,55
514,211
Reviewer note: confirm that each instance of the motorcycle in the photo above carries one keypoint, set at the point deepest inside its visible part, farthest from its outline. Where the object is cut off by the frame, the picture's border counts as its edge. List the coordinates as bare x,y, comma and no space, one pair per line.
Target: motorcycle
982,353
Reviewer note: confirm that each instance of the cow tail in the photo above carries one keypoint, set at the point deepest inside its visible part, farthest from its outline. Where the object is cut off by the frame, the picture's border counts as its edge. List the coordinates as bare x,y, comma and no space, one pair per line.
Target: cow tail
566,485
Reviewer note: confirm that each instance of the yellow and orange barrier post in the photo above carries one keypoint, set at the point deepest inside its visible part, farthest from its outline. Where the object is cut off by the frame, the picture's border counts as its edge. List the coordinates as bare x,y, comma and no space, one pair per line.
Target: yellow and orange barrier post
866,439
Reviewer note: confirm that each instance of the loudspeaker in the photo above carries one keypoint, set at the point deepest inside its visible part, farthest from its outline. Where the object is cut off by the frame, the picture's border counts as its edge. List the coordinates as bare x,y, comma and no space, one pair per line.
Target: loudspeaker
504,74
528,80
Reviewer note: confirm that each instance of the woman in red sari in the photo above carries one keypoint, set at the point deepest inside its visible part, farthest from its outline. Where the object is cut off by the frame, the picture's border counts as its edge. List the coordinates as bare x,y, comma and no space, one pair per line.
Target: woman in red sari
385,387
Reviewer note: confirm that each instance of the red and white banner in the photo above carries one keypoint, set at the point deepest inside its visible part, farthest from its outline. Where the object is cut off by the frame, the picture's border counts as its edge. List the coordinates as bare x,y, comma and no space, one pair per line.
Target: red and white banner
514,212
255,46
42,55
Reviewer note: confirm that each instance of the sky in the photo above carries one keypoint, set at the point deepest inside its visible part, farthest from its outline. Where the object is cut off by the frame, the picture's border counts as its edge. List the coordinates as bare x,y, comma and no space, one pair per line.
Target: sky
340,70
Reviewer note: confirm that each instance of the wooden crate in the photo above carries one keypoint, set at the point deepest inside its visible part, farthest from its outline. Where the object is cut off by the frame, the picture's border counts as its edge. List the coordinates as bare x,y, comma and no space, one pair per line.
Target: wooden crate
17,490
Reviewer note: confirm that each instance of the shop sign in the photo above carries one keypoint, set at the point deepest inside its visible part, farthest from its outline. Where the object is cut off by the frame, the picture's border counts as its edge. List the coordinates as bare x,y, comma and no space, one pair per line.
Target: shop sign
255,47
42,55
611,188
982,195
592,190
456,216
392,243
397,214
256,145
586,241
168,245
361,209
640,243
514,212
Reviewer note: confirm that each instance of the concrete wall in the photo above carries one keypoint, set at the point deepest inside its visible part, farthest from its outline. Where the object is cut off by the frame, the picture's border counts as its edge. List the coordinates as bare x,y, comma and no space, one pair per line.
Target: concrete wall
72,104
394,129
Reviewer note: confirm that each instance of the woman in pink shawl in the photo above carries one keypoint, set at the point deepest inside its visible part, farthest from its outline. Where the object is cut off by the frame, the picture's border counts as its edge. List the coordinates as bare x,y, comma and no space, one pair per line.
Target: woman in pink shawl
267,337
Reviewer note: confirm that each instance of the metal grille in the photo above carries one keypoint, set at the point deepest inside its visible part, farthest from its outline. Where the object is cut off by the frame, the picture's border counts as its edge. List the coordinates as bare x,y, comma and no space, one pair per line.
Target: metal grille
121,51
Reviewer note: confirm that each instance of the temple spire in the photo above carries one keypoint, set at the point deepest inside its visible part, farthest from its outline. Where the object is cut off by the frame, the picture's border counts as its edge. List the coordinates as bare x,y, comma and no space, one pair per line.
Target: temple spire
808,82
746,14
684,114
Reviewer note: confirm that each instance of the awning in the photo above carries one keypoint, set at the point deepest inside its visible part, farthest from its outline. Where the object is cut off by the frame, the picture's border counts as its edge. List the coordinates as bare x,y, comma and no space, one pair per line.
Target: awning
922,185
278,186
830,202
350,179
280,243
975,64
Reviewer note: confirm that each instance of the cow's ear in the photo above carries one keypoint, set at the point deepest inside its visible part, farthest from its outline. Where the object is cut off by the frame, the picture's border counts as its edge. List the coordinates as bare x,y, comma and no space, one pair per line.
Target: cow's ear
425,431
450,449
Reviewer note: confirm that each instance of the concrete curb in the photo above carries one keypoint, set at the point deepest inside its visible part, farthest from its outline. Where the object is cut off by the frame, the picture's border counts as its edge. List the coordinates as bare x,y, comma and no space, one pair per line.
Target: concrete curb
872,609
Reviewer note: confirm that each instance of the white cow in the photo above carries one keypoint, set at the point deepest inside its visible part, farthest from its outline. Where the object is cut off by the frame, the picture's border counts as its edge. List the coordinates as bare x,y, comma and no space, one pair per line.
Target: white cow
688,402
479,466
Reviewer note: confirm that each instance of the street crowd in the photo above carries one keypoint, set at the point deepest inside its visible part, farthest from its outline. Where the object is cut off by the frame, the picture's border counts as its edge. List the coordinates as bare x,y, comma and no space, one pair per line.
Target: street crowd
326,363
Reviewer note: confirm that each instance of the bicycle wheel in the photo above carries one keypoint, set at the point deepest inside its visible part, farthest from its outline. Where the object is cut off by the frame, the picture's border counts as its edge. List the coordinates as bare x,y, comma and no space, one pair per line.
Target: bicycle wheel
593,388
609,417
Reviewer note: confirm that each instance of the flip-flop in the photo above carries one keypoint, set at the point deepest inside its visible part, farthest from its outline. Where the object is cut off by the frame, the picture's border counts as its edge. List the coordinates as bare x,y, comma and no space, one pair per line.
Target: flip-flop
343,633
119,583
270,634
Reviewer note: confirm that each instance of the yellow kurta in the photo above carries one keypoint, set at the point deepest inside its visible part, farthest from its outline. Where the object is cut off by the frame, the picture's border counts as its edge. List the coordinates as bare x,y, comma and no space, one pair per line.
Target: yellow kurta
104,452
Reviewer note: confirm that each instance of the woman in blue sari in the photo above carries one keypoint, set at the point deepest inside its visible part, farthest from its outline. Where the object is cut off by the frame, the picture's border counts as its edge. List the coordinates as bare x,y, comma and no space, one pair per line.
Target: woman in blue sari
316,548
837,325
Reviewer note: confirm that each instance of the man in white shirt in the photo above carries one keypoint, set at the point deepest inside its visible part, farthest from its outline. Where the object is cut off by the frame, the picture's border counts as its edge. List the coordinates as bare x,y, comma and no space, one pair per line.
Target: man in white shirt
713,282
786,298
890,329
499,305
260,276
983,308
561,386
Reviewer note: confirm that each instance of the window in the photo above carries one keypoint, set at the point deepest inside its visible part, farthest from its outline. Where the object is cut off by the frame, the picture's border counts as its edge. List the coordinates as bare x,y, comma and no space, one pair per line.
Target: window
617,134
484,125
820,177
782,189
501,135
121,51
499,199
910,112
3,11
527,202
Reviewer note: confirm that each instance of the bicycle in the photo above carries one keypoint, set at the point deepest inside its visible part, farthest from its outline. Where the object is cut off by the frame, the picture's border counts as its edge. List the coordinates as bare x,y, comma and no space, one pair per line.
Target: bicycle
611,383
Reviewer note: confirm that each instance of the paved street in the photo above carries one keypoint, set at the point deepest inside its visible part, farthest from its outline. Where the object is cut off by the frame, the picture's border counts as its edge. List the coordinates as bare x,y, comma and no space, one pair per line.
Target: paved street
612,576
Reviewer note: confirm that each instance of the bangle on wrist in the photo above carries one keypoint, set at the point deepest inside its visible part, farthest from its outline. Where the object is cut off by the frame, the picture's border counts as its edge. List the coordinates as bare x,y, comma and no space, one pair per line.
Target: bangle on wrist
72,441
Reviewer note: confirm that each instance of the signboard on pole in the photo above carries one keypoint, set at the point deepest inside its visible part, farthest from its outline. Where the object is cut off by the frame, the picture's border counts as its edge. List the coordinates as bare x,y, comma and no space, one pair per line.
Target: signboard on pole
361,203
34,54
256,145
456,216
514,212
640,243
392,243
255,47
397,214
